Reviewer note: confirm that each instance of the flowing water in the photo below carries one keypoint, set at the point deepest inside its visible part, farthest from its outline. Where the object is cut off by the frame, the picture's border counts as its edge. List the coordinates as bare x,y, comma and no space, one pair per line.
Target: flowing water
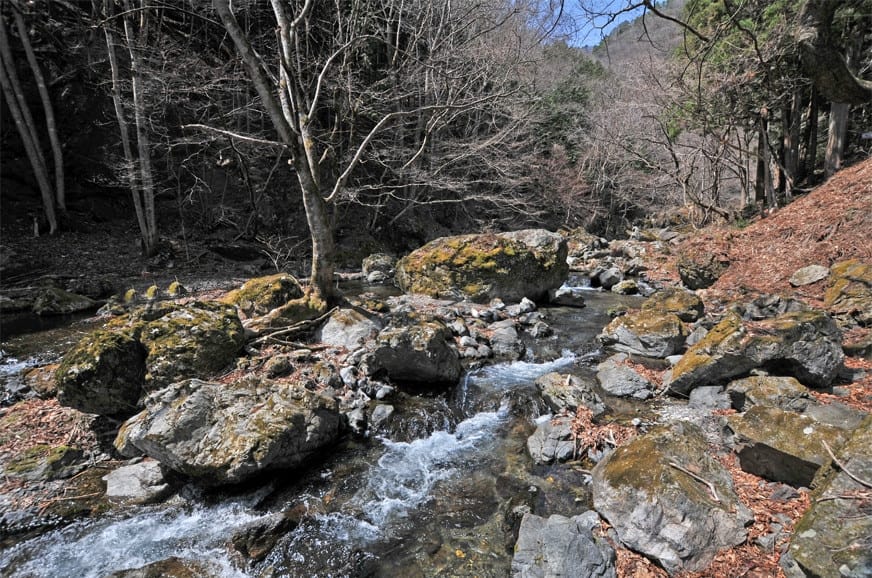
442,503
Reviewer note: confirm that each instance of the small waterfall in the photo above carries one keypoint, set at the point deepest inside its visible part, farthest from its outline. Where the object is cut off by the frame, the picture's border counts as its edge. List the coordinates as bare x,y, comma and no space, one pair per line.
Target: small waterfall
93,549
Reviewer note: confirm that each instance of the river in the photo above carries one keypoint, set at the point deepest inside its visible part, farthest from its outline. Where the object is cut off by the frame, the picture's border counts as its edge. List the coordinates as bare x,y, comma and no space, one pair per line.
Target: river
441,503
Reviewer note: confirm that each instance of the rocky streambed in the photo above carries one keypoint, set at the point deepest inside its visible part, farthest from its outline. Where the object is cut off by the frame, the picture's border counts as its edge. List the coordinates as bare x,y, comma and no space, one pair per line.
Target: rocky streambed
452,434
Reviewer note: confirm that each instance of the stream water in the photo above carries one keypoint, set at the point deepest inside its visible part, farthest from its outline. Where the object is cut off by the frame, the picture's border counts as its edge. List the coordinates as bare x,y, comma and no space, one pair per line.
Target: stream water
437,504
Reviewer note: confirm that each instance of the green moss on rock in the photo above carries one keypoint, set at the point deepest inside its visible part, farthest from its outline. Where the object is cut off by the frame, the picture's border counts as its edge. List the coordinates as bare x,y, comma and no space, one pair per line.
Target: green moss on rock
260,295
480,267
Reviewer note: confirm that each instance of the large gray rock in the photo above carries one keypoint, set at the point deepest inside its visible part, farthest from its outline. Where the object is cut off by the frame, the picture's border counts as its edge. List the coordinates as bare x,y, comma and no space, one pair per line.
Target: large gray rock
552,441
348,328
565,393
103,374
808,275
226,433
832,539
803,344
782,392
560,546
192,340
54,301
849,295
663,512
618,379
416,351
379,267
510,266
505,341
140,483
781,445
647,333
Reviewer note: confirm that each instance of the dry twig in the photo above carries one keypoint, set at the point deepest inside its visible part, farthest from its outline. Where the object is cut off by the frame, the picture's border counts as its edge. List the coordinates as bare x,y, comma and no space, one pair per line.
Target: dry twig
710,485
842,467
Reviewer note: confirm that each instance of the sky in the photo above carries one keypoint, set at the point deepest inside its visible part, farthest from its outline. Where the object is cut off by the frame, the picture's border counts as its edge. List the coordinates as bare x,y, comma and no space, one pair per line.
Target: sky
589,32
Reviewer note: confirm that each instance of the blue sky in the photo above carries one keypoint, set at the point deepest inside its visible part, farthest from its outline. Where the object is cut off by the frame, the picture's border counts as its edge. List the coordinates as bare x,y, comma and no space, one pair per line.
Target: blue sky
589,33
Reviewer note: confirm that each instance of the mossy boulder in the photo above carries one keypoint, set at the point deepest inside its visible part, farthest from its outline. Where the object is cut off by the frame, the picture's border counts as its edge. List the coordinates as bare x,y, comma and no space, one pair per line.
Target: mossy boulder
261,295
802,344
769,390
648,333
45,462
226,433
103,373
686,305
510,266
832,539
194,340
54,301
663,512
850,292
700,270
416,350
783,446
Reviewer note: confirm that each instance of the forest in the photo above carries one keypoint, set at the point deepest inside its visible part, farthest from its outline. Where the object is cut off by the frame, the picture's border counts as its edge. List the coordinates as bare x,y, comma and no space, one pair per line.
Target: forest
411,119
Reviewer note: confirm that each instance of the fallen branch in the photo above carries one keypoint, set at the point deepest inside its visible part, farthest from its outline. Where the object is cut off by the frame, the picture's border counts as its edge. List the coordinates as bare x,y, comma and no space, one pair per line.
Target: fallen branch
300,326
708,484
48,503
842,467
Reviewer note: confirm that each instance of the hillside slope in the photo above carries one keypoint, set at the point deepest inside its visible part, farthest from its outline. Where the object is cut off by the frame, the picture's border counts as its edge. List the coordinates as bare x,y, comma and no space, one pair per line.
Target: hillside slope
831,223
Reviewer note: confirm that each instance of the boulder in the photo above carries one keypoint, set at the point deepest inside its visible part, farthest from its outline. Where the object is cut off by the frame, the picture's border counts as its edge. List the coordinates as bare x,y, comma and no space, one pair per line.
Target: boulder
646,333
225,433
348,328
832,539
54,301
45,462
552,441
261,295
561,546
781,445
618,379
510,266
379,268
626,287
808,275
103,374
850,292
257,539
803,344
662,511
192,340
772,391
609,277
505,343
140,483
416,350
565,393
686,305
701,270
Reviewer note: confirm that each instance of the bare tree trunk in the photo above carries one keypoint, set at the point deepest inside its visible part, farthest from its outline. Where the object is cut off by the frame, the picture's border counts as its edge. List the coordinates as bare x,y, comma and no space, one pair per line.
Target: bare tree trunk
134,45
50,124
130,161
810,138
25,125
791,142
837,136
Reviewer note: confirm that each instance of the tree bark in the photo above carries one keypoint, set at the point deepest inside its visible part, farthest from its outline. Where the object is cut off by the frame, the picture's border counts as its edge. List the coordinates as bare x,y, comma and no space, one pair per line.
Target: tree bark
25,125
130,161
811,135
143,146
48,109
836,137
821,59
